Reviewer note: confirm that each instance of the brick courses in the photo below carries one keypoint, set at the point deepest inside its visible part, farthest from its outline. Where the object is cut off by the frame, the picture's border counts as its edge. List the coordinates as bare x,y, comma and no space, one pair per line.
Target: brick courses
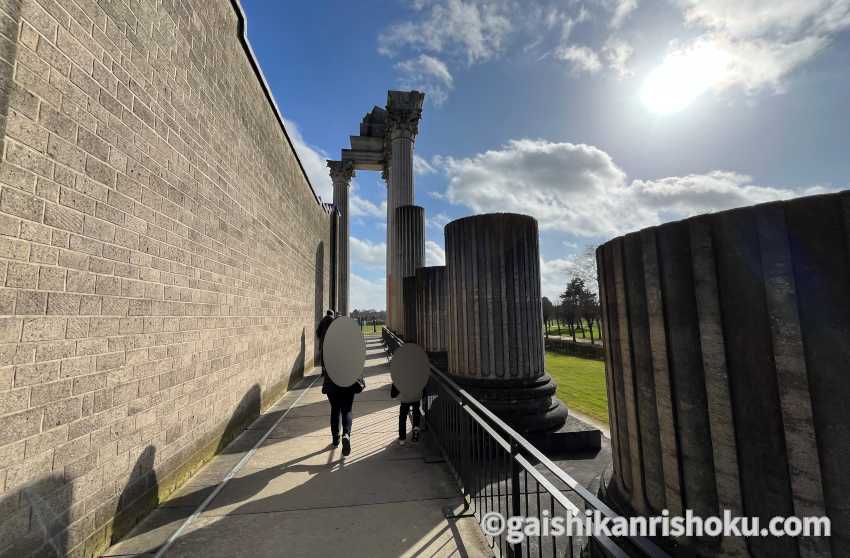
163,259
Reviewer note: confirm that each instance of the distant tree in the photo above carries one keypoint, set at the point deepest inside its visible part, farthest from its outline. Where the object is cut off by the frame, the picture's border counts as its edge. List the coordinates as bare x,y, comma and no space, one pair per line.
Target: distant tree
589,310
548,313
571,303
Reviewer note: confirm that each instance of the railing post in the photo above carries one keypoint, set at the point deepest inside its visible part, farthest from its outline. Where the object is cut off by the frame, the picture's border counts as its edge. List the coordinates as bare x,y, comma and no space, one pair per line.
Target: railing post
516,495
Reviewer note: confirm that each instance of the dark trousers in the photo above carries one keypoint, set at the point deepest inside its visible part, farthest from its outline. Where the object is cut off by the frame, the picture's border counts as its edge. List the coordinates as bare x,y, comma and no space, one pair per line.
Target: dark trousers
340,409
413,408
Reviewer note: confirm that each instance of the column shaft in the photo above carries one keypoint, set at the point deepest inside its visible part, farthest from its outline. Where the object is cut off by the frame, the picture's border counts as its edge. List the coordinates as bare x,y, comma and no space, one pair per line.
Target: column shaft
341,173
495,318
409,247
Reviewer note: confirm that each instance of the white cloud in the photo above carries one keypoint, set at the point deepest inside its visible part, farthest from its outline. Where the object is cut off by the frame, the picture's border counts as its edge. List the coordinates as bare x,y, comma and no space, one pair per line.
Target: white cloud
622,10
579,189
422,166
563,185
314,161
428,74
757,43
367,294
368,254
472,29
439,221
682,196
434,253
778,18
617,54
582,58
554,275
361,207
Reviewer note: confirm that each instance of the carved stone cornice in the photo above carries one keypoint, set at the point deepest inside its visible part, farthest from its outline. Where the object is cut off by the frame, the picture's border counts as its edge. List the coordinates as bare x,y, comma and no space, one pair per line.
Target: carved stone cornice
341,171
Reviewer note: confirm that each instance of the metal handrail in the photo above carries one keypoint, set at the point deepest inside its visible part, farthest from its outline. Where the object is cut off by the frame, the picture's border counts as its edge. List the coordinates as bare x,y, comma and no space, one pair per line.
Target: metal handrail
521,452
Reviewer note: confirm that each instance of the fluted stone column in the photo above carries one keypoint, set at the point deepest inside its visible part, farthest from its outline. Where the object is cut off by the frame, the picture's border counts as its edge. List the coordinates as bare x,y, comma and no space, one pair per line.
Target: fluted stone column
726,339
409,225
391,262
341,173
408,299
495,318
404,110
431,303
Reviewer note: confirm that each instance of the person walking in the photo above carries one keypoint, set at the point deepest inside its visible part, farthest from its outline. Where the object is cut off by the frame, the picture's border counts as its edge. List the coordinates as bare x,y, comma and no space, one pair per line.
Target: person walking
410,407
341,398
321,330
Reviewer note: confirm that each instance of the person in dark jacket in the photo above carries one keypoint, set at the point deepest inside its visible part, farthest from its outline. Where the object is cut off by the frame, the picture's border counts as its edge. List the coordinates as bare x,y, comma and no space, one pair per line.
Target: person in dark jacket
324,324
340,398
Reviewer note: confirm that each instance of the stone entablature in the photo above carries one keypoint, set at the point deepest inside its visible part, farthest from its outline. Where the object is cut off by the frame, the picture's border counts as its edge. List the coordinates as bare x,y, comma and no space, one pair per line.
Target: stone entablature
385,144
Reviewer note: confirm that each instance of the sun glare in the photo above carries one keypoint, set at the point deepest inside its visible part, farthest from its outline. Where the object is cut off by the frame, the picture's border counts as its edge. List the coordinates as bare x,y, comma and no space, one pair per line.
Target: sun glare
681,78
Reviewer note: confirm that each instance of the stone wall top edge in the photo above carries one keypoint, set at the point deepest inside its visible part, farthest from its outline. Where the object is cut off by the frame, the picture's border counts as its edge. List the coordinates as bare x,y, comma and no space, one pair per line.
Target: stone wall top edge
242,34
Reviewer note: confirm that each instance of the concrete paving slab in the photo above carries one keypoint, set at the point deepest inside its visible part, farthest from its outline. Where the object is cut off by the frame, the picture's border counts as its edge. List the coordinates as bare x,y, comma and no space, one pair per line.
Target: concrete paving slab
298,496
149,535
408,529
341,483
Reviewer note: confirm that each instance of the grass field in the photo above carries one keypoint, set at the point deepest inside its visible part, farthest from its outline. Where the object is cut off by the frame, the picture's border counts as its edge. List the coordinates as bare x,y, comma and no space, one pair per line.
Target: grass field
565,331
367,329
581,384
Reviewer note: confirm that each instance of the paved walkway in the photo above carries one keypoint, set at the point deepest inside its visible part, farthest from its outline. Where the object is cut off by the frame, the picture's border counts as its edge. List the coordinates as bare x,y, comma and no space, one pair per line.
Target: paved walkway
297,496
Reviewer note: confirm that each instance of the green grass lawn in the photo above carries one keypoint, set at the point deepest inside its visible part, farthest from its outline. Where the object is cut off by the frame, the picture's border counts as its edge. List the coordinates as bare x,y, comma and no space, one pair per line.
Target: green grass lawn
565,331
581,384
367,329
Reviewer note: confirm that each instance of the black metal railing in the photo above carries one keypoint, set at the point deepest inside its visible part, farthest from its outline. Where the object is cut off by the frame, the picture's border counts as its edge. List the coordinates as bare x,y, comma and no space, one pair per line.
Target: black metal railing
498,470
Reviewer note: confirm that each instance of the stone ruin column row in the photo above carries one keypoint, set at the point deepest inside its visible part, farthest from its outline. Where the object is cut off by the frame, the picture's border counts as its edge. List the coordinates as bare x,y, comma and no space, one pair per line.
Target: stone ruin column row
385,143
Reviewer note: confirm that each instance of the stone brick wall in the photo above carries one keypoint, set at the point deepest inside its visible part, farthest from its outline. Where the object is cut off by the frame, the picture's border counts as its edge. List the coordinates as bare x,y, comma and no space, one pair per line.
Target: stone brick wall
163,259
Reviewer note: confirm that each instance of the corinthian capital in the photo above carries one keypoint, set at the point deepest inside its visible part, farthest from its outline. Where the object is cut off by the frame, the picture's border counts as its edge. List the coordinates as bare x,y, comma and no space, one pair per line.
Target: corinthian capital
341,171
404,109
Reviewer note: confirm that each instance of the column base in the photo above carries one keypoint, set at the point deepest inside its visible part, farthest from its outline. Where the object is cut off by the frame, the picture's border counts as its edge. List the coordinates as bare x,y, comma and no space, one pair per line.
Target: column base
529,406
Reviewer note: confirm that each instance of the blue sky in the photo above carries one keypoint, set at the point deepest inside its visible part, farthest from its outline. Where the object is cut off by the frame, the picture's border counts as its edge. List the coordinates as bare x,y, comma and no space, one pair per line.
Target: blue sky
596,117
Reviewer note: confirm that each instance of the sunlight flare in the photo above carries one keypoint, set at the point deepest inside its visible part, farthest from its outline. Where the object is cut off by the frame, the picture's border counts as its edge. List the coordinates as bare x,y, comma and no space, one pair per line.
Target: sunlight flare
682,77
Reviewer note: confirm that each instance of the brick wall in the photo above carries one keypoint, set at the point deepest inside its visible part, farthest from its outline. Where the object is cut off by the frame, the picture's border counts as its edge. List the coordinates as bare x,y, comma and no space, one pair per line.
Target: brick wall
163,260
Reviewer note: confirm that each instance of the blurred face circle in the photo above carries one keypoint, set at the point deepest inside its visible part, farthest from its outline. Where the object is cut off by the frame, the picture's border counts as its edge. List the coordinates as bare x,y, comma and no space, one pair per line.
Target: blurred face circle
344,351
410,369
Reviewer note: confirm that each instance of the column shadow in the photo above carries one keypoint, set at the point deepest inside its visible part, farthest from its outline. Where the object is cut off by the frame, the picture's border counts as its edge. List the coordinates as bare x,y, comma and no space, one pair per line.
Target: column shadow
35,519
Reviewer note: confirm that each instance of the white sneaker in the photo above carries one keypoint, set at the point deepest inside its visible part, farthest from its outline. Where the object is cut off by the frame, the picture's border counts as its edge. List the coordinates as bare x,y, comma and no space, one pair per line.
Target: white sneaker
401,442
